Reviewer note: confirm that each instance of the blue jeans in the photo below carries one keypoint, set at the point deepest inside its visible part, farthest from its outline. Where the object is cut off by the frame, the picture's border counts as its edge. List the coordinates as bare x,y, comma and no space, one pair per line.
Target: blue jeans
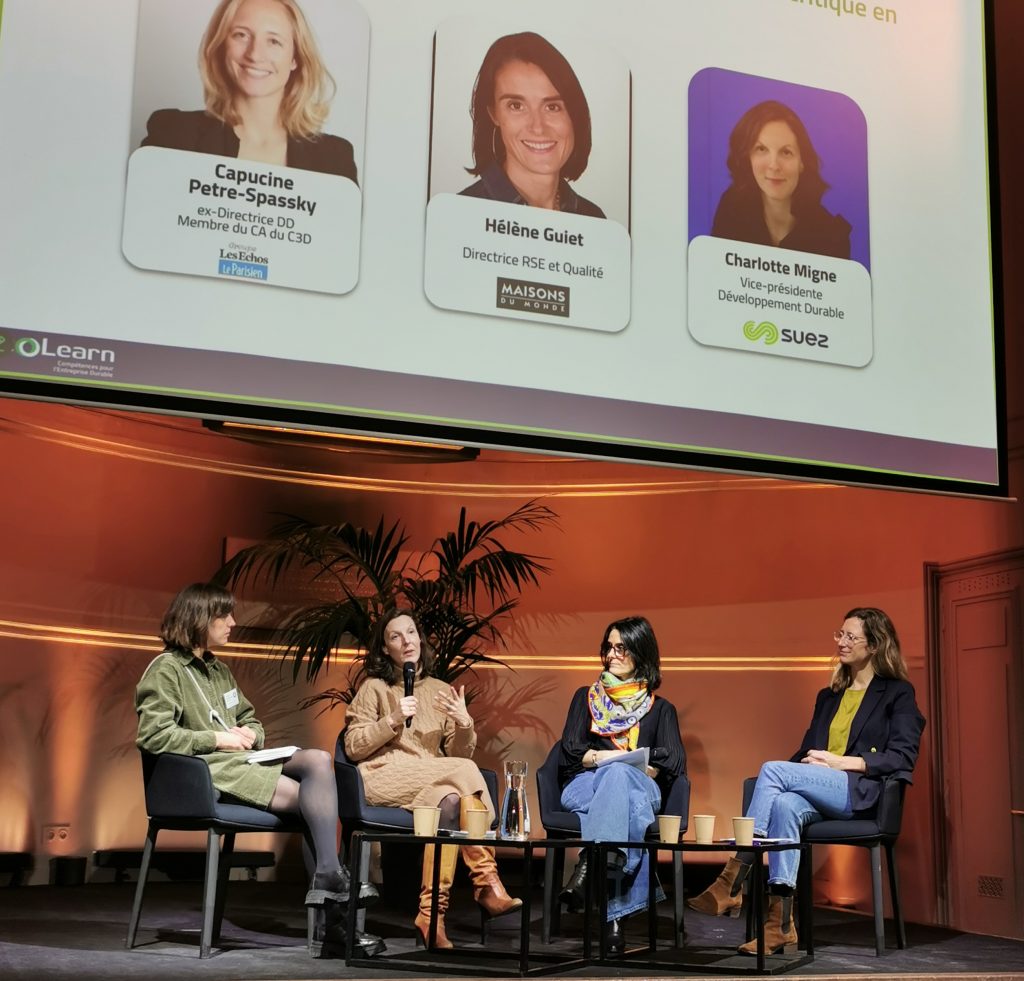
618,802
788,797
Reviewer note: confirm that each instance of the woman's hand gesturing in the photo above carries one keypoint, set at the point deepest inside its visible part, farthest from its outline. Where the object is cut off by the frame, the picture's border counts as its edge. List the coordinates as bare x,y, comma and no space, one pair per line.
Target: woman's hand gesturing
453,704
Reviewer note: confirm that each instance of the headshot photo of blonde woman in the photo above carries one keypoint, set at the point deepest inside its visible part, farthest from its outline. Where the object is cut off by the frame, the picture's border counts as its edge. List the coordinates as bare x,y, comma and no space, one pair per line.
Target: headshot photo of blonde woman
263,84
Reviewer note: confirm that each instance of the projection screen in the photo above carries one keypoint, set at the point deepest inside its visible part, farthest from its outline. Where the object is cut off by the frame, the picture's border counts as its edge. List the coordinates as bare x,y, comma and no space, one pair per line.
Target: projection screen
741,234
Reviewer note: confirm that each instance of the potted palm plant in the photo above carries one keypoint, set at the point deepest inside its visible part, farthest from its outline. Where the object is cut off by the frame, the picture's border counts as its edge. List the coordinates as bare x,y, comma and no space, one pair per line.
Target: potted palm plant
462,589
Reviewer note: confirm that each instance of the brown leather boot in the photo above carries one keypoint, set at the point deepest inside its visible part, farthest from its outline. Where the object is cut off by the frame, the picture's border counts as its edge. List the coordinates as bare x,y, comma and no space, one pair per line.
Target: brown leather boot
488,890
449,853
723,896
779,932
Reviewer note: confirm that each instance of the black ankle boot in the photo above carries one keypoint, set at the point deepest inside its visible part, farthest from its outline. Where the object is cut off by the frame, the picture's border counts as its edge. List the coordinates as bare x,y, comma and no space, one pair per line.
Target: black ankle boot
327,934
336,886
616,937
574,895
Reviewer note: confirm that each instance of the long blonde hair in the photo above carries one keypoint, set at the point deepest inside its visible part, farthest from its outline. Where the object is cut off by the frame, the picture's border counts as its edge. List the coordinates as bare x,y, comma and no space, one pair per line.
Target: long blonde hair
310,89
880,635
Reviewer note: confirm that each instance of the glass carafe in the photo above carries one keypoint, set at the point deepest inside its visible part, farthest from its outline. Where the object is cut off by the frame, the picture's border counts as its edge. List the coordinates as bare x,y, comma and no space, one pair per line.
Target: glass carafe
515,808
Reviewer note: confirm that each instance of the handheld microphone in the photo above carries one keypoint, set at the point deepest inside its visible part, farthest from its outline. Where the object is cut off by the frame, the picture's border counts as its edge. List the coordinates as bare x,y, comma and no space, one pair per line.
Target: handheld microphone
408,676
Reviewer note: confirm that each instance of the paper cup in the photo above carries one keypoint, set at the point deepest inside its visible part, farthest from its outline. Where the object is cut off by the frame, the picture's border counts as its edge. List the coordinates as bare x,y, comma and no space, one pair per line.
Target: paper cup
704,828
477,823
743,830
668,827
425,819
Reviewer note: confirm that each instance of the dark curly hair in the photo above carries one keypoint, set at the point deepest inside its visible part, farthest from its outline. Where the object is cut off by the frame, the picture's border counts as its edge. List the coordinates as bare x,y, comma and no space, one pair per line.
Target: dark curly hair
378,662
742,140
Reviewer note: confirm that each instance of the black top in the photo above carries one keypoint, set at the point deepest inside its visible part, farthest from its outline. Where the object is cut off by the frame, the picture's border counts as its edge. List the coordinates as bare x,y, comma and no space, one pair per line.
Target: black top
886,732
740,216
202,133
659,730
494,185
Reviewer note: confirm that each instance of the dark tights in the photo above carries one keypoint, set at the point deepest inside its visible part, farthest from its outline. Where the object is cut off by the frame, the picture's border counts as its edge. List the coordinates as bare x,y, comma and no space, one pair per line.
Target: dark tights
450,811
307,787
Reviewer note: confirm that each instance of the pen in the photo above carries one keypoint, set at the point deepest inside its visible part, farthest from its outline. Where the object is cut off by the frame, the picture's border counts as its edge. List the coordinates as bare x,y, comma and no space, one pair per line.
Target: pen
215,715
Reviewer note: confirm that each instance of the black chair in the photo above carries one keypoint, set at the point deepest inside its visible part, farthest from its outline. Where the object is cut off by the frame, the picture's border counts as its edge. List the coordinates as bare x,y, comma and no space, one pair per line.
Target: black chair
180,797
876,833
559,823
357,815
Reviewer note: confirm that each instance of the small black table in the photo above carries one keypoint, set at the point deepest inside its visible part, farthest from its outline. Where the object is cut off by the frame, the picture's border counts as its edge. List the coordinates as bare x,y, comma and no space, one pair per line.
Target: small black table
447,961
706,957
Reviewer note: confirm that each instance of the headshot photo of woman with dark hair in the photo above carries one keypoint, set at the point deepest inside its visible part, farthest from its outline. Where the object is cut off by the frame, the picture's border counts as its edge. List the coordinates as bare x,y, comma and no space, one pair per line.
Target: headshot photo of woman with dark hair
531,127
267,93
775,195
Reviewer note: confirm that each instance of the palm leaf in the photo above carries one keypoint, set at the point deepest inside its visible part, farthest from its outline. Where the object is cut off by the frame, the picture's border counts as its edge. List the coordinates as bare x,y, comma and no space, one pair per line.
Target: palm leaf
472,557
462,591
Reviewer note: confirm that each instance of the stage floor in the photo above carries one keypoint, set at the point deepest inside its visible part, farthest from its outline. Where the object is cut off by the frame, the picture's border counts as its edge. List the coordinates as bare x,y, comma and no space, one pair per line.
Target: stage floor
77,933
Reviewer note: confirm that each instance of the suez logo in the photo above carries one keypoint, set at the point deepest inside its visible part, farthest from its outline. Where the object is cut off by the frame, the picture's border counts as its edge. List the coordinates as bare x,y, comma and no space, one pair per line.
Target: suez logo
34,347
520,294
770,334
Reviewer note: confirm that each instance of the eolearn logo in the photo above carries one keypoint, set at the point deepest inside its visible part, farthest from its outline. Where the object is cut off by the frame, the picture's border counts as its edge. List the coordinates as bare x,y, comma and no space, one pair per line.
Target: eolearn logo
766,329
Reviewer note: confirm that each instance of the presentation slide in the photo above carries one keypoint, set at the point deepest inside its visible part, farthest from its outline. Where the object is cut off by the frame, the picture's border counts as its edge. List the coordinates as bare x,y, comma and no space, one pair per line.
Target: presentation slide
743,233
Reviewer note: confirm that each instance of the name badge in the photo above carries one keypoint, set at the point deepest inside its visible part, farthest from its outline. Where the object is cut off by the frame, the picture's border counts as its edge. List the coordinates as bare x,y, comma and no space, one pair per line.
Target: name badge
231,698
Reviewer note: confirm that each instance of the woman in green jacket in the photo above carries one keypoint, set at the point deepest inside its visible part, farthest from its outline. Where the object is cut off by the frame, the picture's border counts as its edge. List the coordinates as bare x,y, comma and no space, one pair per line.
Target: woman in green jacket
188,702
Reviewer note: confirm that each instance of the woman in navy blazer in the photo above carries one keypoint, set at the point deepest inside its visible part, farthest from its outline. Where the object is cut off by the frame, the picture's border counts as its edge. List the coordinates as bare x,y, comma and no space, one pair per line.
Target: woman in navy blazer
866,725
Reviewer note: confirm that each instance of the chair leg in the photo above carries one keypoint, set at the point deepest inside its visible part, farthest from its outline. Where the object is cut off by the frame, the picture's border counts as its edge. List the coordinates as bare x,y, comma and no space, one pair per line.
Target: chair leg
223,874
677,899
894,895
878,898
147,854
364,876
209,891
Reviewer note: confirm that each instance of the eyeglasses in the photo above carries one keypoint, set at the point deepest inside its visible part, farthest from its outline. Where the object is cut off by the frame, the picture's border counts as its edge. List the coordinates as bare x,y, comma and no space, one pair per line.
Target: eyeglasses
840,635
619,650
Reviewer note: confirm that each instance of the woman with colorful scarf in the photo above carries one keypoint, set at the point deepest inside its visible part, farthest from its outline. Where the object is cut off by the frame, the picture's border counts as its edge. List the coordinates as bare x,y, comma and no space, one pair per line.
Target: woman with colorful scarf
615,800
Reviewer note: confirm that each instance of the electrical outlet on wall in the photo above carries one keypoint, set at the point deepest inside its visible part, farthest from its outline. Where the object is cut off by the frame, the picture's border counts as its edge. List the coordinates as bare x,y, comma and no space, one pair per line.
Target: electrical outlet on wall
56,834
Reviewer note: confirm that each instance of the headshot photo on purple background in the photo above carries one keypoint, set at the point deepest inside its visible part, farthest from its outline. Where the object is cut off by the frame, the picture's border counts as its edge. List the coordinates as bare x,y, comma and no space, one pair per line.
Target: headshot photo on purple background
777,164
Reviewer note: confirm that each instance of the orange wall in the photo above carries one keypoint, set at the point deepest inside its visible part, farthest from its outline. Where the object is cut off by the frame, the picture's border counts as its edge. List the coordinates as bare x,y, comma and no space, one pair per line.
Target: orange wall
105,515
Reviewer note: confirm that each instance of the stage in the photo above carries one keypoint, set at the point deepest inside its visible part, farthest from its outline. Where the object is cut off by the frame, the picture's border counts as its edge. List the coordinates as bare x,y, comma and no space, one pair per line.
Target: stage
77,933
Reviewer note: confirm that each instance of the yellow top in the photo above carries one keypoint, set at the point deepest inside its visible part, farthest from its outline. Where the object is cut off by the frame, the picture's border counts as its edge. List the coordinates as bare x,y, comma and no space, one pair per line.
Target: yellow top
839,730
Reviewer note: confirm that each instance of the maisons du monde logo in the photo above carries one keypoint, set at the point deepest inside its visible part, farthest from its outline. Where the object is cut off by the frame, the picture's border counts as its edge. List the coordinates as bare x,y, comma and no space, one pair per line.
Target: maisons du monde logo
522,294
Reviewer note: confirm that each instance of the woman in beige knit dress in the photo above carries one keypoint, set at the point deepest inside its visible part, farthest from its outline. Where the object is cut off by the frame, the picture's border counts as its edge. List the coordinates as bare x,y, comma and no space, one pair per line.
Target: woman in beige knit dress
426,763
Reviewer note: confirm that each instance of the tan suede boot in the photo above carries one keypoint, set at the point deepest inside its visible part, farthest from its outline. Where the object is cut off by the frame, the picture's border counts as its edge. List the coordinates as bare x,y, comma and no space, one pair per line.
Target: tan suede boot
723,896
779,932
488,890
449,854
